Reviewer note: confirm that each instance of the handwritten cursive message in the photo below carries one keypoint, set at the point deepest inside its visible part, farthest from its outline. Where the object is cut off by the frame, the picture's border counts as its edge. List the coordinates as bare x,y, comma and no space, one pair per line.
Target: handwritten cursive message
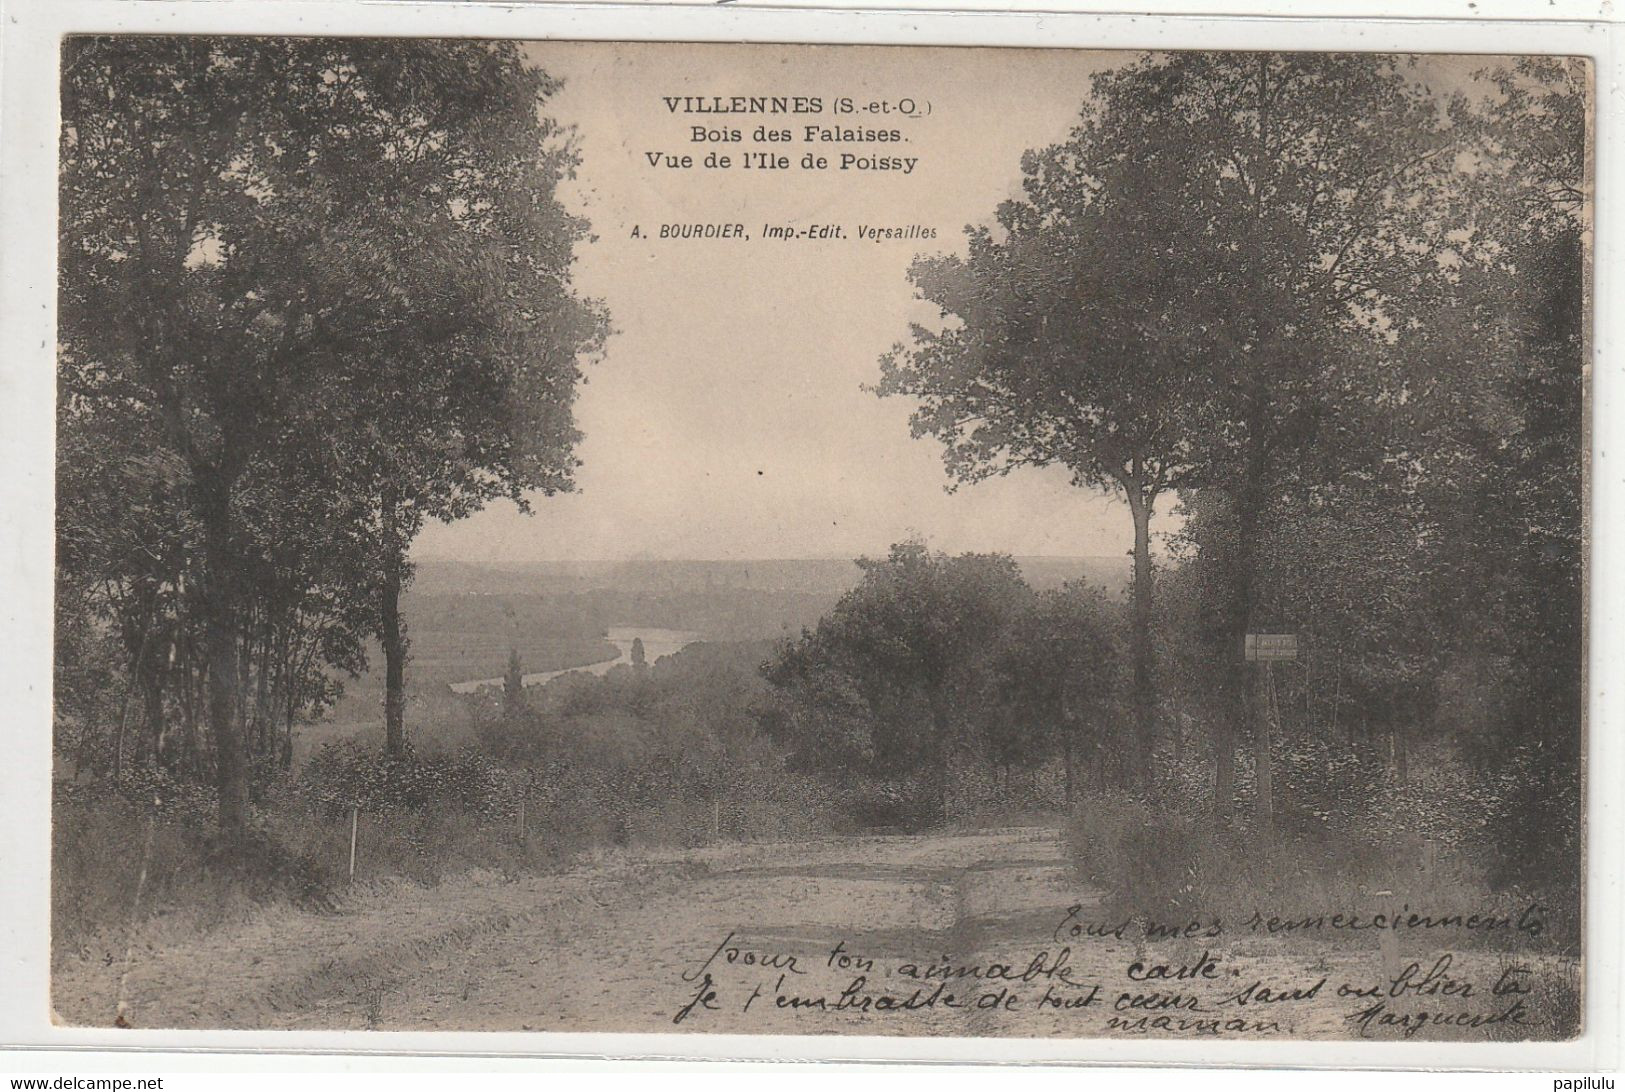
1398,973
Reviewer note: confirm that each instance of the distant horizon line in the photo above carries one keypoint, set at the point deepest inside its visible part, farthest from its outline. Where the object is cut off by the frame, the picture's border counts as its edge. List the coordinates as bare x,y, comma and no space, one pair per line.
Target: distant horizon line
441,559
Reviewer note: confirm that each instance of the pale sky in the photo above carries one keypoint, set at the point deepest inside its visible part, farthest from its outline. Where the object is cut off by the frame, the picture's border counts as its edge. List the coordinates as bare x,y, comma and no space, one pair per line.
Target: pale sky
728,417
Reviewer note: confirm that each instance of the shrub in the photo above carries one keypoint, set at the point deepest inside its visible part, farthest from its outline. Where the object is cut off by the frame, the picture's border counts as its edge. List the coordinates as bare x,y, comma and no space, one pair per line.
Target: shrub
1164,860
894,805
264,868
101,842
1555,1000
148,788
423,847
1144,858
98,848
1535,822
345,773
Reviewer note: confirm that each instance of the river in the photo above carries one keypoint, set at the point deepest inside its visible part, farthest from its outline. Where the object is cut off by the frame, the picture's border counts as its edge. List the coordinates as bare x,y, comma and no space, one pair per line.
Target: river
657,643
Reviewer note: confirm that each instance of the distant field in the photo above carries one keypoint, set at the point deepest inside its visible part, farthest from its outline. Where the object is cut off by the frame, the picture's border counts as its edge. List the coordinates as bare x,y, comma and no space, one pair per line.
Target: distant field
463,620
469,636
820,576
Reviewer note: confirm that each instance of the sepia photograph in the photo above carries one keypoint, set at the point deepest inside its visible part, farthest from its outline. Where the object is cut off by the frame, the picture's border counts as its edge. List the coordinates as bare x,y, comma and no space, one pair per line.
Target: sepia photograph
820,540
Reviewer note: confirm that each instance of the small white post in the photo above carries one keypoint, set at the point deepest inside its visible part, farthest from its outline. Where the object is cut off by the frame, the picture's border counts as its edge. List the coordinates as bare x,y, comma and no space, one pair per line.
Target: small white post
355,821
521,820
1388,945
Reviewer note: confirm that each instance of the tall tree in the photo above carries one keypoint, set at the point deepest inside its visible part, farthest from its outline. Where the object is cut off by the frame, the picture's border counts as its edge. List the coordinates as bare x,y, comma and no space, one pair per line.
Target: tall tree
1309,192
234,279
1056,671
1262,212
1500,436
472,400
912,643
1061,344
188,250
513,684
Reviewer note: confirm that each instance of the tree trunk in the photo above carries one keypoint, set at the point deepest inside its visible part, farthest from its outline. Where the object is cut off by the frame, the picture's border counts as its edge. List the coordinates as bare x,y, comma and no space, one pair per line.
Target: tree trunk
188,694
1144,692
154,697
1067,766
137,677
245,672
1238,600
1264,780
264,723
220,650
1249,511
392,632
1337,703
287,732
287,692
940,722
118,733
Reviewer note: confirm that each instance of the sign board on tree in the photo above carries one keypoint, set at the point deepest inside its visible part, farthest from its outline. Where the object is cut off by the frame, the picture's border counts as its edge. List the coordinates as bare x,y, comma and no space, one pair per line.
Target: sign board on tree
1272,646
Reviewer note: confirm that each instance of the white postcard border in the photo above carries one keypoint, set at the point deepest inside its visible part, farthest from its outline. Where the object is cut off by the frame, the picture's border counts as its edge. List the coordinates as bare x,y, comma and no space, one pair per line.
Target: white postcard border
29,37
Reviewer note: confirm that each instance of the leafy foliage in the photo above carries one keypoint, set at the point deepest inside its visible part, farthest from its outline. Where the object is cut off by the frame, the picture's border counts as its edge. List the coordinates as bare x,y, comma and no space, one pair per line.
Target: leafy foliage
311,291
901,655
1341,314
345,774
935,660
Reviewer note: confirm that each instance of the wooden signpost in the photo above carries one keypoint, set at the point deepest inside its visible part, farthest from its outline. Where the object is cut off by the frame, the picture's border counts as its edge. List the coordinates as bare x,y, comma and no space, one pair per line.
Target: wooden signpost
1266,648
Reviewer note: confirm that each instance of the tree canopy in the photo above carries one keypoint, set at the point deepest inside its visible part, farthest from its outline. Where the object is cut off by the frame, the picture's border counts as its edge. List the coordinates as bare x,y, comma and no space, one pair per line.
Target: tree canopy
1185,293
325,283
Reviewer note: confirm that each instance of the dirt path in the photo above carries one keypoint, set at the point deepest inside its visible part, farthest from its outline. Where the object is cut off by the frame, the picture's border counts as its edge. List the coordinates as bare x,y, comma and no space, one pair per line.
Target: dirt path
957,934
759,915
602,948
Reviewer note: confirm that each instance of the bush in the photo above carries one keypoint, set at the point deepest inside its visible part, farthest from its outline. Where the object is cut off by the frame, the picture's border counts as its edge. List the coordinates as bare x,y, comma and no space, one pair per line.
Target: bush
1327,786
147,788
423,847
1536,822
346,774
101,842
1145,859
985,795
98,849
265,869
1164,861
1555,999
903,806
774,804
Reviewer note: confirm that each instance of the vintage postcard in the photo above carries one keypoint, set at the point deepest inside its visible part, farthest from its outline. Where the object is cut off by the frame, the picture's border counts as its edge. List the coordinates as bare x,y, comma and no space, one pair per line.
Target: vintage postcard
820,540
